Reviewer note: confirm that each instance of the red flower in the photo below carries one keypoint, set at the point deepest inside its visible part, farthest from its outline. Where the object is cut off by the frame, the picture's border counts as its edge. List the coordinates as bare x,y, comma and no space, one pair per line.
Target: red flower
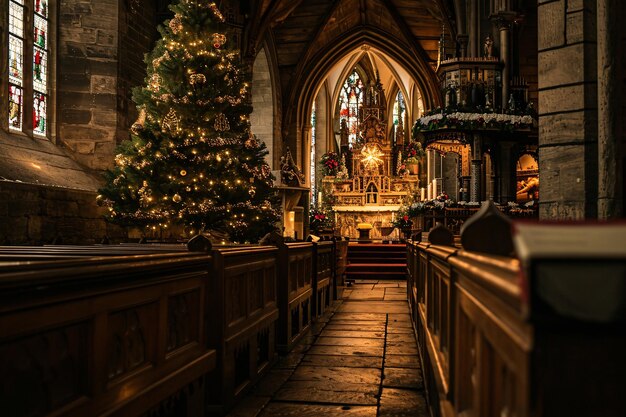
405,218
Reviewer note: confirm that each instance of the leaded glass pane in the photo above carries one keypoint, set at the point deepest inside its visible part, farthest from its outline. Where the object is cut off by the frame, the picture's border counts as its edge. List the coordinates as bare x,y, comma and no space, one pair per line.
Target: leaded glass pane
40,67
41,32
16,60
41,7
39,114
350,101
15,107
16,18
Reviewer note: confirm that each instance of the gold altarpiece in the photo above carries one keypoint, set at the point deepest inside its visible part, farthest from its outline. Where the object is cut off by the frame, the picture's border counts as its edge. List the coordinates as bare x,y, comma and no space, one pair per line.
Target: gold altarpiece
372,193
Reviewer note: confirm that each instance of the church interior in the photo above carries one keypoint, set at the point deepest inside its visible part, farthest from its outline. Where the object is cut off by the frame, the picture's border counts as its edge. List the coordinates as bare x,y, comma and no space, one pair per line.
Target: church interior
312,207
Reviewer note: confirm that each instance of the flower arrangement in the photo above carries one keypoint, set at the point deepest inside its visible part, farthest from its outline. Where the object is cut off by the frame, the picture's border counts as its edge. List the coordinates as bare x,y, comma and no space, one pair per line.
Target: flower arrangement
413,152
318,220
402,221
330,163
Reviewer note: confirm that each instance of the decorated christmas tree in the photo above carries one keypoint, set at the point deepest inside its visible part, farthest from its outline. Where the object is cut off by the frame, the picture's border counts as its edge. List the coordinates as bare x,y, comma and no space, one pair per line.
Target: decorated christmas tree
192,159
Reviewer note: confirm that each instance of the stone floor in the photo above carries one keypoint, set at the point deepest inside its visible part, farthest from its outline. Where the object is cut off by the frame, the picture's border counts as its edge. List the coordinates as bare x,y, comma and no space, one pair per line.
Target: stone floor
360,360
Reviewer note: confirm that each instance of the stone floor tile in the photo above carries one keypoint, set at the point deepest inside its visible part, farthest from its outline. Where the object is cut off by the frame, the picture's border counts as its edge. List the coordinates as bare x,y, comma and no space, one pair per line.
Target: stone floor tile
359,295
349,333
383,284
400,403
402,361
337,376
400,337
316,410
402,317
357,326
366,316
346,361
349,341
395,290
374,307
399,330
322,395
346,350
394,297
403,349
403,378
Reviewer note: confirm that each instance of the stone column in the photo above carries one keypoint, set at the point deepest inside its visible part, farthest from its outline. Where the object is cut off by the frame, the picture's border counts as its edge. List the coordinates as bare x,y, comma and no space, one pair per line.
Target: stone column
610,171
473,29
507,175
476,168
505,29
568,124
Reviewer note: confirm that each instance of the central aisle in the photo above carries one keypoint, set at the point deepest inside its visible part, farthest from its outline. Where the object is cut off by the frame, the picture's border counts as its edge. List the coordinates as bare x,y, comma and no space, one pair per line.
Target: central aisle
360,361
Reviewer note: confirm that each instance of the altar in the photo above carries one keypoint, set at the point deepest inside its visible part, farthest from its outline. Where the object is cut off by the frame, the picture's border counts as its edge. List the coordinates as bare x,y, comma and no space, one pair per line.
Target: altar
371,189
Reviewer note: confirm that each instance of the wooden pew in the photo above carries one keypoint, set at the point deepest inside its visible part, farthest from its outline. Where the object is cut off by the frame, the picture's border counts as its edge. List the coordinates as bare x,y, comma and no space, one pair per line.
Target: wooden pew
488,351
107,335
242,323
323,262
295,293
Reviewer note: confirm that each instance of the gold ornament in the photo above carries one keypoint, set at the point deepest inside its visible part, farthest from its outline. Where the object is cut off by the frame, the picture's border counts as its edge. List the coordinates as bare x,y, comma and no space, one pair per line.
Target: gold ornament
197,79
183,172
137,127
221,123
218,40
176,24
170,122
155,82
177,198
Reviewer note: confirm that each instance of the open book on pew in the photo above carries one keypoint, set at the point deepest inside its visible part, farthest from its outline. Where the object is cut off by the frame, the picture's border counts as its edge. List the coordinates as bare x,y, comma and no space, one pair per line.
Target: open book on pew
576,270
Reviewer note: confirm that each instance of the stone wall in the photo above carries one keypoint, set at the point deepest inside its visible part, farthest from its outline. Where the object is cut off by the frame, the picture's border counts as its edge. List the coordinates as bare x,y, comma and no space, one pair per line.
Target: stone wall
262,116
137,31
87,63
568,122
35,215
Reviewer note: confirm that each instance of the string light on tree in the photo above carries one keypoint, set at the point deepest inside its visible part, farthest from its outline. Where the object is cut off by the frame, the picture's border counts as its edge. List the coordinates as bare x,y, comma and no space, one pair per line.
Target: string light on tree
192,159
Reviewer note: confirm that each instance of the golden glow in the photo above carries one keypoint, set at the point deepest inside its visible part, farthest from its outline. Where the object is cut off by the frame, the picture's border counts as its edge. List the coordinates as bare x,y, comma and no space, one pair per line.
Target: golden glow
371,156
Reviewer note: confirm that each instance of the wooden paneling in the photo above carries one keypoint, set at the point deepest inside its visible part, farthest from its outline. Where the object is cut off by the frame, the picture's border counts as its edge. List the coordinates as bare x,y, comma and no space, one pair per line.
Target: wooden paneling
112,334
486,355
295,292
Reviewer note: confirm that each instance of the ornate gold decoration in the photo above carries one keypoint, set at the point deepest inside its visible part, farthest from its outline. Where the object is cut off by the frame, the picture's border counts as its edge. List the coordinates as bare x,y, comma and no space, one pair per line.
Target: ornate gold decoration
221,123
371,157
176,25
197,79
177,198
171,122
155,82
218,40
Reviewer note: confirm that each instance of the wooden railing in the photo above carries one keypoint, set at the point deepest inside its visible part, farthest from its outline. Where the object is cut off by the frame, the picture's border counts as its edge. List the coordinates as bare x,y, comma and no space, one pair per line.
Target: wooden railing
295,292
114,335
323,273
488,352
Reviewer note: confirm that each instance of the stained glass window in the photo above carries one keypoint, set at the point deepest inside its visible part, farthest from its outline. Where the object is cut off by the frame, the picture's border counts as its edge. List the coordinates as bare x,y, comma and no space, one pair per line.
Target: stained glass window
399,109
40,66
19,50
16,63
350,101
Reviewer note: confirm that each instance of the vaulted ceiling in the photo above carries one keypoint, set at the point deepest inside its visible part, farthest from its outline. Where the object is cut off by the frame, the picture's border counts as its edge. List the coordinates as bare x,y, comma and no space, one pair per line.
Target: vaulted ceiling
302,28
